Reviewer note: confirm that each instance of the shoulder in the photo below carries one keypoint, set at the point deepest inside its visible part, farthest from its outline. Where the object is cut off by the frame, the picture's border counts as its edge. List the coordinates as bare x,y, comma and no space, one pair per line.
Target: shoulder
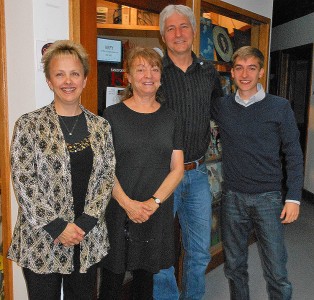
167,112
93,118
226,99
278,101
38,115
113,109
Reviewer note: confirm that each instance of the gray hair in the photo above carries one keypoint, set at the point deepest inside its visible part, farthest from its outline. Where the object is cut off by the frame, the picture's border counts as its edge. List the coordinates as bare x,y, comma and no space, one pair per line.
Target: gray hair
179,9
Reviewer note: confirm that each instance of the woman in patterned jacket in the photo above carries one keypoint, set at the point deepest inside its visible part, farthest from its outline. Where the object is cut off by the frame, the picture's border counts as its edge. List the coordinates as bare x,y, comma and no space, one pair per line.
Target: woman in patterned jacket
63,162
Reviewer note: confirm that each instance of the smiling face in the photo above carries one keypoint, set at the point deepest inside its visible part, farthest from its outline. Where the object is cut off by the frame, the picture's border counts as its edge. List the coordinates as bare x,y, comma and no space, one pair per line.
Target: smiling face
246,73
144,78
66,79
178,35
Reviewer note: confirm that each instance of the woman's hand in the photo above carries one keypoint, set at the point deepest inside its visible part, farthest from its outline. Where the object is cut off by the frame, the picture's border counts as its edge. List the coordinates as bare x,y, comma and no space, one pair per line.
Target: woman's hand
138,212
70,236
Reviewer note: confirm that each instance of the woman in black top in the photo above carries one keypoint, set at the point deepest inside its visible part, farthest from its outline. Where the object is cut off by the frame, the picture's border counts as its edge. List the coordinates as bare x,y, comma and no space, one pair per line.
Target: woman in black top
63,164
148,145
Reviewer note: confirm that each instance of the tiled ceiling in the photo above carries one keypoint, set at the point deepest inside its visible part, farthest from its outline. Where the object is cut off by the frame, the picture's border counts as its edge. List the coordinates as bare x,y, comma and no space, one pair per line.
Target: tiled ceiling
288,10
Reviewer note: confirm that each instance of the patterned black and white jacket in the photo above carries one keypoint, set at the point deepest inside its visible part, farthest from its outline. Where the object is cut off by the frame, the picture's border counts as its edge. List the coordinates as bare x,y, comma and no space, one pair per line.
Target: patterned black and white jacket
41,175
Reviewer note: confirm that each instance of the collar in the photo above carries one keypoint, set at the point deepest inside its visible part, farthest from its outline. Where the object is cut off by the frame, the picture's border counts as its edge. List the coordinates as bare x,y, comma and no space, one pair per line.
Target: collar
260,95
167,62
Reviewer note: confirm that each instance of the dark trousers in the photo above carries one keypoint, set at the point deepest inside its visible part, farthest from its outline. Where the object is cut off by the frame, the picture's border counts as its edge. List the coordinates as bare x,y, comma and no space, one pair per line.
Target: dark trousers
111,285
76,286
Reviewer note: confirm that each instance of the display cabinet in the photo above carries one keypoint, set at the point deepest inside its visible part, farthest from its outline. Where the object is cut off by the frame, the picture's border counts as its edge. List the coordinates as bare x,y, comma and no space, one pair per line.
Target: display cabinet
238,25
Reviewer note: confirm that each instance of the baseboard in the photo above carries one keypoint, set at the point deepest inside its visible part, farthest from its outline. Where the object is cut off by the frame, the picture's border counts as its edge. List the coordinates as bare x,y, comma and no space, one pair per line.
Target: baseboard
308,196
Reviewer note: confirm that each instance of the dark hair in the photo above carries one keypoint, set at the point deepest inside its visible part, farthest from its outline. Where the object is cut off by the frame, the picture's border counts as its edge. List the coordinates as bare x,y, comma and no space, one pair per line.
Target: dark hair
65,47
248,51
149,54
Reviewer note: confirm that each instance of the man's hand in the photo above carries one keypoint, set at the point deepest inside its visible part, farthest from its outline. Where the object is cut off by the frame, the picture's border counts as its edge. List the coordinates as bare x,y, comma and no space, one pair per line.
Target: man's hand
290,212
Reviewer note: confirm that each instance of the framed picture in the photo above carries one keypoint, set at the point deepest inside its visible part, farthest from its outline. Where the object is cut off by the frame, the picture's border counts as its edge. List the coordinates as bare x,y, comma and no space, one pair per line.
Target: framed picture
206,39
223,44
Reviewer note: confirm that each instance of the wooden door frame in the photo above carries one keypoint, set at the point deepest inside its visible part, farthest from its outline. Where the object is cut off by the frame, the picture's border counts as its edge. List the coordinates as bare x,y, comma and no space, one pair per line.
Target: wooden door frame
5,161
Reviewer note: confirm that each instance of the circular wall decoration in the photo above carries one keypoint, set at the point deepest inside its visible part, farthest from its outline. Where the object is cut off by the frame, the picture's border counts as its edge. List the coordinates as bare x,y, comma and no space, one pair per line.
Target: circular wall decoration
223,44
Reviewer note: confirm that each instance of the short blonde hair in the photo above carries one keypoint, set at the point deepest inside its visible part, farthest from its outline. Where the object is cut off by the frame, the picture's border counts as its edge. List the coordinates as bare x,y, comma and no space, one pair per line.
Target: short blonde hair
248,51
65,47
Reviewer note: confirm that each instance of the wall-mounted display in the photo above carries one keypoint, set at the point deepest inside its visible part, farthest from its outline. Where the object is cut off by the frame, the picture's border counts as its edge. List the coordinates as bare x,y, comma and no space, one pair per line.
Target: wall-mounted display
223,44
109,50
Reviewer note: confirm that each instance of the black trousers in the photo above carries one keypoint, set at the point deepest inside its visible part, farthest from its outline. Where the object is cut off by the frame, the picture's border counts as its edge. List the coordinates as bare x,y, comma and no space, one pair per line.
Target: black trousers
76,286
111,285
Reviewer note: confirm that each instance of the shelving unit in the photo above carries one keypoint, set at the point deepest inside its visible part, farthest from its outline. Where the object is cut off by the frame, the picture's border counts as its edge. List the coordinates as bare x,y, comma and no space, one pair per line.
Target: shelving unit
128,27
259,28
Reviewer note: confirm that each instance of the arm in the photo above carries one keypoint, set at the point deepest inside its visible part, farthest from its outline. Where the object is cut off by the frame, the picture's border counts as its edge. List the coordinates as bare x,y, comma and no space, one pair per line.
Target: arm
294,166
137,211
171,181
25,175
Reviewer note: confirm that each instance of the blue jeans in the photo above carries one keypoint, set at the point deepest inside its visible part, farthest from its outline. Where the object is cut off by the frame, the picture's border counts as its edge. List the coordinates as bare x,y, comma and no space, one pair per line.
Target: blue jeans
242,213
192,202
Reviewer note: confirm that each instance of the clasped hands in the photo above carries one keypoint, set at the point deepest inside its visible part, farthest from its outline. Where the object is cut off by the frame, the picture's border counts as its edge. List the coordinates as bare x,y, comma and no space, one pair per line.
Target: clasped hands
70,236
140,212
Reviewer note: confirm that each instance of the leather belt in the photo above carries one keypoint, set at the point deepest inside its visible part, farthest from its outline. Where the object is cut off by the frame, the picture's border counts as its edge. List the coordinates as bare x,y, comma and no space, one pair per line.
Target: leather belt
193,164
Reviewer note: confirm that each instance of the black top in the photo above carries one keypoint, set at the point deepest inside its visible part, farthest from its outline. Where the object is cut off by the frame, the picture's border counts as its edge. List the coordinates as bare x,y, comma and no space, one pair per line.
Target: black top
81,159
252,138
143,143
189,94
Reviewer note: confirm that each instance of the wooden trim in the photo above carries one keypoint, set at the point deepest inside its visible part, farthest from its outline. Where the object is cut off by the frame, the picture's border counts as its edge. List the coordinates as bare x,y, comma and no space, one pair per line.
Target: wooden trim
233,11
4,161
263,45
128,27
152,6
83,29
74,16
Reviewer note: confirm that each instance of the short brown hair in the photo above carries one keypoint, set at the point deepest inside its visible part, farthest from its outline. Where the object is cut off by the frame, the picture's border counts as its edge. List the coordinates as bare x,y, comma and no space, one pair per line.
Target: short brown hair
65,47
248,51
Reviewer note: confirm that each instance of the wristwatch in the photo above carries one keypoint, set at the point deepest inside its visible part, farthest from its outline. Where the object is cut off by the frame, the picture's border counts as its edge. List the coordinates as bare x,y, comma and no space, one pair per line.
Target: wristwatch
157,200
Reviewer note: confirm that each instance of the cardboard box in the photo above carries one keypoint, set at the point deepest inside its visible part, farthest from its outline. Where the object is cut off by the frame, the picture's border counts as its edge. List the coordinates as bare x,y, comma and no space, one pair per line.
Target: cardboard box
102,14
133,16
125,15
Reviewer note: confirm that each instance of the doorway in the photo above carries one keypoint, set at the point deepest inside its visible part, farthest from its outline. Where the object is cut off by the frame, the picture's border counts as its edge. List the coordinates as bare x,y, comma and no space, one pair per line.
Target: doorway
290,77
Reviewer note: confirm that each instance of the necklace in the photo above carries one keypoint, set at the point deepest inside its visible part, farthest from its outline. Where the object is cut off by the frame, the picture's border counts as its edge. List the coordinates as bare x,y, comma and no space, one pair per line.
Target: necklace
73,127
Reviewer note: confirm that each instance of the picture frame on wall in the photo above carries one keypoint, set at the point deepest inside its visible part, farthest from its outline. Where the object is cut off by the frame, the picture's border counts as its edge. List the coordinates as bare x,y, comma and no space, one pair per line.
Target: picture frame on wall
223,44
206,39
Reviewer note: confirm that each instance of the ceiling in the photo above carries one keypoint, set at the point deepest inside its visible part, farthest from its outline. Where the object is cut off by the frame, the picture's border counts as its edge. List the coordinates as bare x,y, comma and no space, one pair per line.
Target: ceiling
288,10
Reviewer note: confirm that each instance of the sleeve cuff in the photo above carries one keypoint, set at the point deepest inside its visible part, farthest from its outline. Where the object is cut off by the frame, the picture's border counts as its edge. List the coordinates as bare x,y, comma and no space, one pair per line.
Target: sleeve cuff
293,201
56,227
86,222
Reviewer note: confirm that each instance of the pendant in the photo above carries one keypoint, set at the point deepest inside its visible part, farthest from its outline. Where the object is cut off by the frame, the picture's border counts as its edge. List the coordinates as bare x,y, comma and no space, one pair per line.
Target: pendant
70,133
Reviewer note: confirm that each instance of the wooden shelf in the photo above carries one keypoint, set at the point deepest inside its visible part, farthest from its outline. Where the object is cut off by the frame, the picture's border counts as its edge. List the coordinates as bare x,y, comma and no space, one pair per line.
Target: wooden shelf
128,27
